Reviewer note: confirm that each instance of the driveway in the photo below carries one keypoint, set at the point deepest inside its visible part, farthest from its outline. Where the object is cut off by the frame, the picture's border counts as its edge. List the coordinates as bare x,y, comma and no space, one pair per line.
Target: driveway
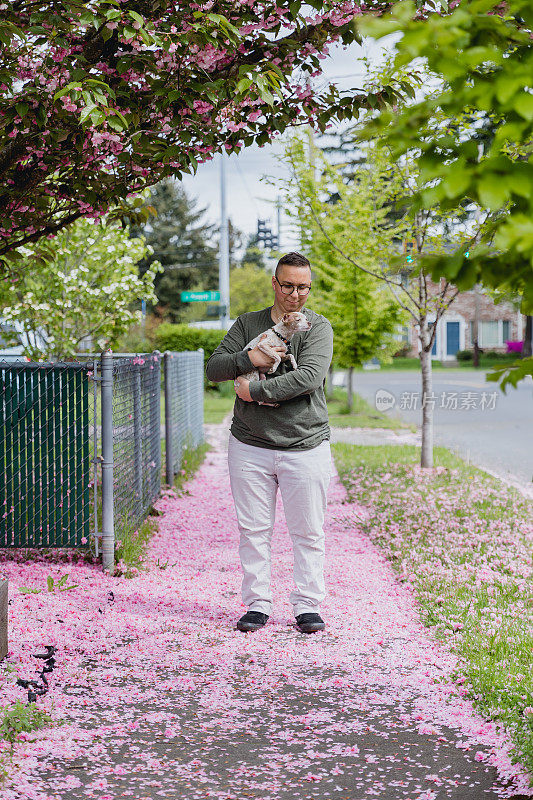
472,417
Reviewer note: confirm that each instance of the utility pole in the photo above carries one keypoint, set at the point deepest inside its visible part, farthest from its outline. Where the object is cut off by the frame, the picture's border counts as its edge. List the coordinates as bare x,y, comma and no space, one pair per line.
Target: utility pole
223,256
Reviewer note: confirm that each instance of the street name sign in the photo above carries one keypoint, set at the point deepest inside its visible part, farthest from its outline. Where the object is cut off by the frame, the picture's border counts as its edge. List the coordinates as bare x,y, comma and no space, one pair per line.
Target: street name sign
199,297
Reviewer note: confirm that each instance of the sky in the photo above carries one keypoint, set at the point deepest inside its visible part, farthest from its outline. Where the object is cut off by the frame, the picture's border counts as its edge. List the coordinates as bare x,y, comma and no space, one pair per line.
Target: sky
248,195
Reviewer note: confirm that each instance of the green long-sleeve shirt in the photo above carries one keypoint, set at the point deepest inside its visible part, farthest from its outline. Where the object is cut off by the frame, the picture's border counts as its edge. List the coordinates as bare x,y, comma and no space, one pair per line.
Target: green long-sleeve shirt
301,420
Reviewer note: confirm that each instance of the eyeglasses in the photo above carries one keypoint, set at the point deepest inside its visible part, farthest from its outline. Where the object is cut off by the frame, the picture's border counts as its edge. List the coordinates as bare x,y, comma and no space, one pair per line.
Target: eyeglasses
288,288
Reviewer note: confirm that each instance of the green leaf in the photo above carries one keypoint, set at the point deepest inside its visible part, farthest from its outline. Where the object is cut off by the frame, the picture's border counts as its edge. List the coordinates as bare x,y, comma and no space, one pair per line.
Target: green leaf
65,90
524,106
512,374
122,65
243,85
506,87
50,583
456,181
86,112
294,7
22,108
376,27
493,191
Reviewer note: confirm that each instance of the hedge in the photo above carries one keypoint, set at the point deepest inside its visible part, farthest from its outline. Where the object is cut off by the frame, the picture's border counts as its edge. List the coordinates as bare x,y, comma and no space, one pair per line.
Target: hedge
182,337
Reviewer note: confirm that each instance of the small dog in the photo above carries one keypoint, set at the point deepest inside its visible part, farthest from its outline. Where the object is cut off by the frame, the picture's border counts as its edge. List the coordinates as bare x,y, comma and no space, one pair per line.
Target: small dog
279,334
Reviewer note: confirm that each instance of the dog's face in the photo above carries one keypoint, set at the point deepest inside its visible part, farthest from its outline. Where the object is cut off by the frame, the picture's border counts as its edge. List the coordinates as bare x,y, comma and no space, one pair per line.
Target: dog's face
296,321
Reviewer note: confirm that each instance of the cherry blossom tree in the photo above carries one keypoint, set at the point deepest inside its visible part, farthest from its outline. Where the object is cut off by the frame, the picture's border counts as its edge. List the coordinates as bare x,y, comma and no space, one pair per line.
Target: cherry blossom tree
104,97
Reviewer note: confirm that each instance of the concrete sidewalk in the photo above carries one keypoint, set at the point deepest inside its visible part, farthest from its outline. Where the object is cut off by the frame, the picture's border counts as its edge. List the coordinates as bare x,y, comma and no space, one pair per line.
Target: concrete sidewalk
188,707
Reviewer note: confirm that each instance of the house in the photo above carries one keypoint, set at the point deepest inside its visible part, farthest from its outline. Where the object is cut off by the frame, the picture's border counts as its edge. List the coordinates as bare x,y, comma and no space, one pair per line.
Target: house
498,323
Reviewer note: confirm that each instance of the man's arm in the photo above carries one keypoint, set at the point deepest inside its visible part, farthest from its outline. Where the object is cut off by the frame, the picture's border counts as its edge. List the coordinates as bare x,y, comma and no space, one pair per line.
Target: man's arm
314,359
230,359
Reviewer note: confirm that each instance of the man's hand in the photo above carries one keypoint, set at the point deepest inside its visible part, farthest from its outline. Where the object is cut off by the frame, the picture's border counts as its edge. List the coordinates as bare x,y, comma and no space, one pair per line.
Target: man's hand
262,361
243,390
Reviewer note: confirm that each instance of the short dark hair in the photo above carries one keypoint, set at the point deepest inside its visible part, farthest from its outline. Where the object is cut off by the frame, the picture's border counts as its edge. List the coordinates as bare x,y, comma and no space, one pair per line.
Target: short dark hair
292,260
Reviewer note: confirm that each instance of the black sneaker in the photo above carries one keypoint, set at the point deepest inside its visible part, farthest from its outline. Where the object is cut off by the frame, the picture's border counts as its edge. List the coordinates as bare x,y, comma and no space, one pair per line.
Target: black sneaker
310,623
252,621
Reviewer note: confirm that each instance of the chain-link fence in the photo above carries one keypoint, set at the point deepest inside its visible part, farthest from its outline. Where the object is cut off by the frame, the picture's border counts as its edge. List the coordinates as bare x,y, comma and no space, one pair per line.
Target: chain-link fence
104,410
45,457
136,421
184,399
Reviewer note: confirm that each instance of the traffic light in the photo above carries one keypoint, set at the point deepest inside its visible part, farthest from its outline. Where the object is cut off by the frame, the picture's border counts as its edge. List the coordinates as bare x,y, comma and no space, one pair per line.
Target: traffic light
263,230
265,236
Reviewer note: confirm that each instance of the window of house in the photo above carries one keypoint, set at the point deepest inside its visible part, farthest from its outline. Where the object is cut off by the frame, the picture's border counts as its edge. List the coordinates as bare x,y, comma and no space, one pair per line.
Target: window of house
488,333
506,330
493,333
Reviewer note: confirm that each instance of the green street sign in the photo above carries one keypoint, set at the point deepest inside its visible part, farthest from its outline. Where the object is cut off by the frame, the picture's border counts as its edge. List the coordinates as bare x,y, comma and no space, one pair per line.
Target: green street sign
199,297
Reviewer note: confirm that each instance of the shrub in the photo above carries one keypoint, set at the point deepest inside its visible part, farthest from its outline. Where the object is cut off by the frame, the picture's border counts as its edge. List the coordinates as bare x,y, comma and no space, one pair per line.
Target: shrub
496,354
20,718
514,347
183,337
464,355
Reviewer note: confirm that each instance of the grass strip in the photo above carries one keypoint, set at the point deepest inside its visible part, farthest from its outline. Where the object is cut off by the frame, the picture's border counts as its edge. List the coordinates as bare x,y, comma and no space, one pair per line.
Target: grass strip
464,541
362,415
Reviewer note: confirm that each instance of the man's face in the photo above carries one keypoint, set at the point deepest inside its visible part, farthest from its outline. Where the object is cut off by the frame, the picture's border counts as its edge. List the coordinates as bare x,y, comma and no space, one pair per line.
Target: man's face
297,276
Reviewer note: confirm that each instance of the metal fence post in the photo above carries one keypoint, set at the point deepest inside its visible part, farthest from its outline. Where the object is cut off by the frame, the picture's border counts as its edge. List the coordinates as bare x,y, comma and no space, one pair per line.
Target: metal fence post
108,524
169,462
200,415
156,357
137,437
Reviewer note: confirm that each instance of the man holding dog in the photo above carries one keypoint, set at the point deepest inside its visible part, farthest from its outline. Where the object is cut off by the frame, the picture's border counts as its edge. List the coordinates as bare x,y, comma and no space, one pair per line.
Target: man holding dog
285,446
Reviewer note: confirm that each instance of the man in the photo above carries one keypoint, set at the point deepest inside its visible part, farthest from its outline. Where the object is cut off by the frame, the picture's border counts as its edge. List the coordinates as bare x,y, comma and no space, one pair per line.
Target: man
287,446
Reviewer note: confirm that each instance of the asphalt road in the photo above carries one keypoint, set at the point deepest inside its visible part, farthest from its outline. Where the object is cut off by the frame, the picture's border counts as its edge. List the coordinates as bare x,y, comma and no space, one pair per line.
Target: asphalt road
472,417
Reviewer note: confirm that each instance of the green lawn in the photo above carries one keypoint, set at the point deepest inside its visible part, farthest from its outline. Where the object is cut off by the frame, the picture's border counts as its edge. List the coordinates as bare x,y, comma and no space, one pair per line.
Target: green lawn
485,362
363,415
462,540
218,404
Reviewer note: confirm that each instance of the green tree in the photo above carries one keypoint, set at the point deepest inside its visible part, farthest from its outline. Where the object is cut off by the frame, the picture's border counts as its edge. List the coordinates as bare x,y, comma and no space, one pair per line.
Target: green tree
482,55
253,253
86,286
358,254
184,245
250,289
364,316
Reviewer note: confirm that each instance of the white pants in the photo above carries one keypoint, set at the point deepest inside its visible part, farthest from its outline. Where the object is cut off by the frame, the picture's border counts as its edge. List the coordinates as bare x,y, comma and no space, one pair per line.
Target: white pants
303,477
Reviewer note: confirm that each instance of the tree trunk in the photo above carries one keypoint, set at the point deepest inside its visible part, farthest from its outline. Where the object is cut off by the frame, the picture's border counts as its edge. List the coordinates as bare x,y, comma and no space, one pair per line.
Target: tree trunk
350,390
475,332
526,349
426,452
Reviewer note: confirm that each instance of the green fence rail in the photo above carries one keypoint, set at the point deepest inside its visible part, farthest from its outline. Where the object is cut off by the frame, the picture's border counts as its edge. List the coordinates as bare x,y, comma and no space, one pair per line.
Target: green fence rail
45,467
